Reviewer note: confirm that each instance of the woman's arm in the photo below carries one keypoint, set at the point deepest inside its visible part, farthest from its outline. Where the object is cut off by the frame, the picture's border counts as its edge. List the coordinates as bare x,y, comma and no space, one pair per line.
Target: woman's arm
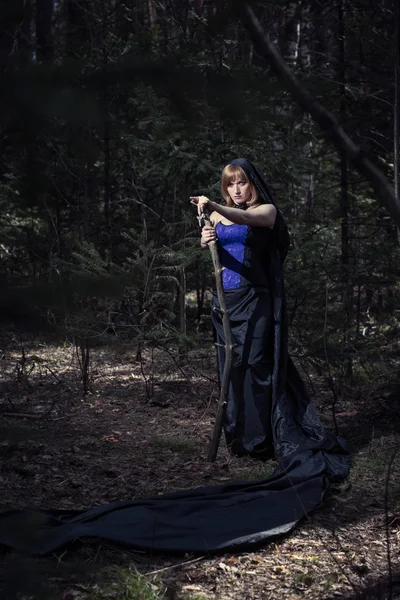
207,235
261,216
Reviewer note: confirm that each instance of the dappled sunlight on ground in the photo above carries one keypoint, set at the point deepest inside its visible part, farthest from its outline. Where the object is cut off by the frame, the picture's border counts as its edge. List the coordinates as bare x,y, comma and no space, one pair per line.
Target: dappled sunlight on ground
143,429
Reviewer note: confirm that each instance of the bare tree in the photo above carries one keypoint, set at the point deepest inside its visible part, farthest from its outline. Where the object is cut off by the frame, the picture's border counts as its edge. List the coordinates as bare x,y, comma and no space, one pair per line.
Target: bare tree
44,42
11,17
327,122
347,289
396,120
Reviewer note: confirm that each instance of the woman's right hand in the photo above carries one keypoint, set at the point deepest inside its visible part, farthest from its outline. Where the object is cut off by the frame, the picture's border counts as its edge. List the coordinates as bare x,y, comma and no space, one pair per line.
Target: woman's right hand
207,235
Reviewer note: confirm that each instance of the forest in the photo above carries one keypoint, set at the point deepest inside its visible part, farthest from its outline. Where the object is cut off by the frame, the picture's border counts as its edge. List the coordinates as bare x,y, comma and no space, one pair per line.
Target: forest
113,113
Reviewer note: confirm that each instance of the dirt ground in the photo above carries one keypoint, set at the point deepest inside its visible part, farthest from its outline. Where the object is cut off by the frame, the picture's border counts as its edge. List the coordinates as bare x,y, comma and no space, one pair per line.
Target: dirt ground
143,430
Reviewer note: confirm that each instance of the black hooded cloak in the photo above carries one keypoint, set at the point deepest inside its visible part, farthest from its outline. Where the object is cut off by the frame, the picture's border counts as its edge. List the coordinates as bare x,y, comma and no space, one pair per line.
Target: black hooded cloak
265,196
230,517
269,412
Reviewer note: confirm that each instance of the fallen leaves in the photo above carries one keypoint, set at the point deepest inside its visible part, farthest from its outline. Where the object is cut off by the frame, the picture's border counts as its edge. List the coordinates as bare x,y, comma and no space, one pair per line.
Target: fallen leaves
111,438
228,568
102,454
349,413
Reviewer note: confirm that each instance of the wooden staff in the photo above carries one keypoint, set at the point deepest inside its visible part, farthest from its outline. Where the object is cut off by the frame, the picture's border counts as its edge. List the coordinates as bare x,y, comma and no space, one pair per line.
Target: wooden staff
223,395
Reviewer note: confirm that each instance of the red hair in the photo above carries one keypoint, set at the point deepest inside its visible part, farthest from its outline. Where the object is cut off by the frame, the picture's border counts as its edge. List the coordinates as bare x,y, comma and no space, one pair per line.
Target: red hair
235,173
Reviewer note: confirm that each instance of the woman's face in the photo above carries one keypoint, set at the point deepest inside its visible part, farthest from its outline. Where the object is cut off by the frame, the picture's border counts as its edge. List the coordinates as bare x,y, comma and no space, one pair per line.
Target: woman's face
239,191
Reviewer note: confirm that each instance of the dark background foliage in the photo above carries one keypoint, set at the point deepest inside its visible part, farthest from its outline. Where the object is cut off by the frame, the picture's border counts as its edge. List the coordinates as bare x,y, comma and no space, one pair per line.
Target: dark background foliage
114,112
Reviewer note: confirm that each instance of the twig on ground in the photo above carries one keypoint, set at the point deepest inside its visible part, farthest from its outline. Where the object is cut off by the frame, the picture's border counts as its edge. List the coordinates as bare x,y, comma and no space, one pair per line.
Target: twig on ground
23,415
176,362
30,415
183,564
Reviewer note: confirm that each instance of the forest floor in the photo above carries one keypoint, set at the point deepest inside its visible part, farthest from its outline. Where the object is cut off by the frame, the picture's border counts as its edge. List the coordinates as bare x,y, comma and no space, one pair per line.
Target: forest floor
143,430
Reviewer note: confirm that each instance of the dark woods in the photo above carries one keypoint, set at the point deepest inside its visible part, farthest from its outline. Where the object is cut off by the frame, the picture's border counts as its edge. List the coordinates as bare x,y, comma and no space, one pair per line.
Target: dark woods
113,112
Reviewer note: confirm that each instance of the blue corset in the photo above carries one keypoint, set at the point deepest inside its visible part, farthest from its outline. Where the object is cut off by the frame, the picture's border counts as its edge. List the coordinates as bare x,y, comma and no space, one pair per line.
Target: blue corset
243,252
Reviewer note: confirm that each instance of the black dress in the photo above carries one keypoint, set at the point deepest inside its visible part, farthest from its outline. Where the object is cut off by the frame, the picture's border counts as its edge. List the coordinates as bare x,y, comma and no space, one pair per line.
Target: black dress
268,412
244,253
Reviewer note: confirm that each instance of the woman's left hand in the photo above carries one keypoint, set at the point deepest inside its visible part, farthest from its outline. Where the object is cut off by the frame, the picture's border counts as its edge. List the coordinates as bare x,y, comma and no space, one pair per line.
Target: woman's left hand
201,202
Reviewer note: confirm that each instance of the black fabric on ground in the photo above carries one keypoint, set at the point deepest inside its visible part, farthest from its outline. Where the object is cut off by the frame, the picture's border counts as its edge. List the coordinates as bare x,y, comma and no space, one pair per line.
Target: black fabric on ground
204,520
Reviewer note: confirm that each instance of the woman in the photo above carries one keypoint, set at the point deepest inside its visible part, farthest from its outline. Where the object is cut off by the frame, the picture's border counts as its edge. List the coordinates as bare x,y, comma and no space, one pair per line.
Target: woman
268,411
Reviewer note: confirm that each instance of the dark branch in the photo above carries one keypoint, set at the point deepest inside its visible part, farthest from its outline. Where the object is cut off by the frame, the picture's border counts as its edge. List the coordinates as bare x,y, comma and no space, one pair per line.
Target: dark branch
327,122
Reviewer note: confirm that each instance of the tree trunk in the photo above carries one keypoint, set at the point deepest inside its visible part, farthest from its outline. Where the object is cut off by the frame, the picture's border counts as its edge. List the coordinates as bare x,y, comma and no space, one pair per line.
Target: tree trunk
25,34
11,17
198,6
347,291
12,14
396,115
127,18
44,42
305,33
77,31
182,314
106,126
201,280
150,13
290,39
186,19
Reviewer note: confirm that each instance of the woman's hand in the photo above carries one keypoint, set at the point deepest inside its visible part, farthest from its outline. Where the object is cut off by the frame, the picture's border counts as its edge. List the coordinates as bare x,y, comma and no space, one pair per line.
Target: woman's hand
201,202
207,235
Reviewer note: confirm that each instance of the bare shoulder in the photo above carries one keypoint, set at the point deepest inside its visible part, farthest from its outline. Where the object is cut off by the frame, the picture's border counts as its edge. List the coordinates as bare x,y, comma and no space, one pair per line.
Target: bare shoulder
215,218
266,209
263,215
